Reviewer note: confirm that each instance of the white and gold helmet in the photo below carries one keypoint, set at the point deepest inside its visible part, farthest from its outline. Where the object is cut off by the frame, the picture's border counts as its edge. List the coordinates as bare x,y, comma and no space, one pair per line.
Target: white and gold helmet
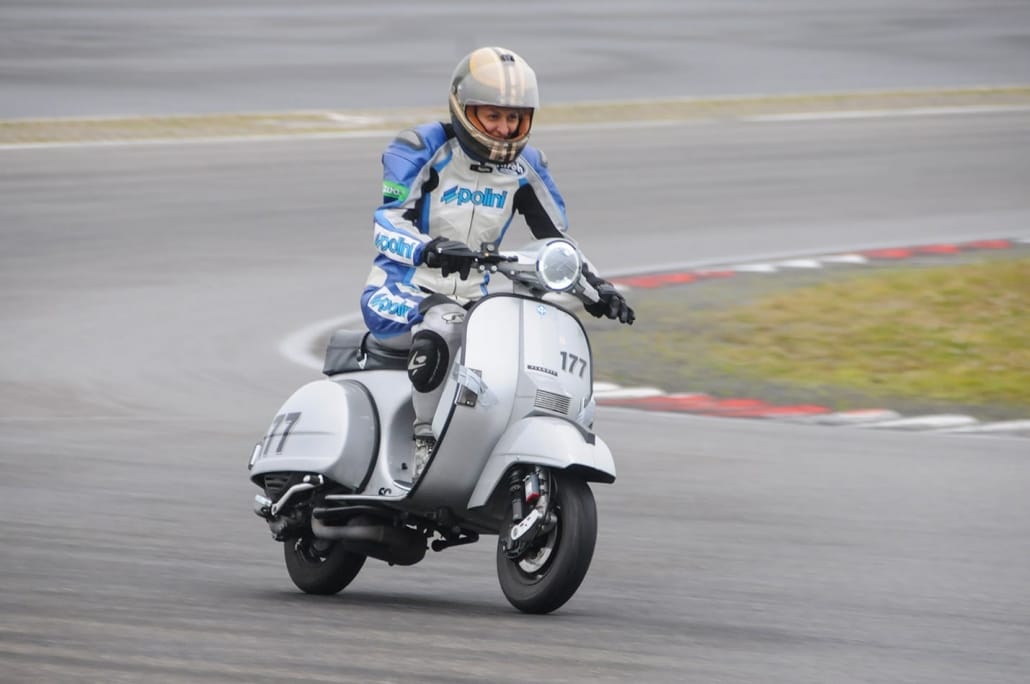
498,77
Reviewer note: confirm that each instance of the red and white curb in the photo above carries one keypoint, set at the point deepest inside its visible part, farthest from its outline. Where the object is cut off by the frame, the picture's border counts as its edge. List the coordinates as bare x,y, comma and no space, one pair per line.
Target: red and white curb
700,403
672,277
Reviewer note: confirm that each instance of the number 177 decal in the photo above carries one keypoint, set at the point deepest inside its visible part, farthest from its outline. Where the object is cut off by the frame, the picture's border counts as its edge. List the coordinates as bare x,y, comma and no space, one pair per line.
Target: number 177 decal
290,419
570,363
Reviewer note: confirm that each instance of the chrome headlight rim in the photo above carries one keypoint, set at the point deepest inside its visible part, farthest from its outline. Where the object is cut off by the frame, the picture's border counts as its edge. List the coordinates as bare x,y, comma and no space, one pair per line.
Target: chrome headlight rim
559,265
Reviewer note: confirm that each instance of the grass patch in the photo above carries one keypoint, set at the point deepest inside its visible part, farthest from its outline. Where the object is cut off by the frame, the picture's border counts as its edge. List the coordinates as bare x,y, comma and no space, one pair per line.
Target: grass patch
939,335
957,334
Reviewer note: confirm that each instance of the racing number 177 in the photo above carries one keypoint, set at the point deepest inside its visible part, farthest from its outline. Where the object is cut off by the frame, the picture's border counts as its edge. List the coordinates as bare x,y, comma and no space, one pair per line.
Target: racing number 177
570,363
290,419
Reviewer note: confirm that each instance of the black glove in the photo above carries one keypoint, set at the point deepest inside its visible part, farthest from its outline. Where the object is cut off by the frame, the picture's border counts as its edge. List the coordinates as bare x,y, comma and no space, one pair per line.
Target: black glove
610,302
450,256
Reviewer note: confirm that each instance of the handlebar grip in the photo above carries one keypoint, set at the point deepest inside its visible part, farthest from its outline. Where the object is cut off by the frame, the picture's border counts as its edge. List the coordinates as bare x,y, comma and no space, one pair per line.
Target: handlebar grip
589,293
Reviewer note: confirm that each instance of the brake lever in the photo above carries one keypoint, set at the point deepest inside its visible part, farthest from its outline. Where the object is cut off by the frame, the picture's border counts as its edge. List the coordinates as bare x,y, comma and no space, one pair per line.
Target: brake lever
490,256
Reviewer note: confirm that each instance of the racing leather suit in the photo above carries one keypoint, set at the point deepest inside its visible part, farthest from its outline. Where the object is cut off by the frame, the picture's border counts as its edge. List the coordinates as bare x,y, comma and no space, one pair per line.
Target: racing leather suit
433,188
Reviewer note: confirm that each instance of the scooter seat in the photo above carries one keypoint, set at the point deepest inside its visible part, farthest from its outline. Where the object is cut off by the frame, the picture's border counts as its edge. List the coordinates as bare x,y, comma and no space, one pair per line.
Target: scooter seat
350,351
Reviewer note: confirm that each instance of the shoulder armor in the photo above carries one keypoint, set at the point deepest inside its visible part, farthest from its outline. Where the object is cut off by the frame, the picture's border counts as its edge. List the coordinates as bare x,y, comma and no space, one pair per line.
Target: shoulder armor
424,140
535,157
412,138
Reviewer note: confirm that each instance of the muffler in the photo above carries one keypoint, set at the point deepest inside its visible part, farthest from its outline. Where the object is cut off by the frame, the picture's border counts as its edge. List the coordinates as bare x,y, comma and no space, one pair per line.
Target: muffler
395,545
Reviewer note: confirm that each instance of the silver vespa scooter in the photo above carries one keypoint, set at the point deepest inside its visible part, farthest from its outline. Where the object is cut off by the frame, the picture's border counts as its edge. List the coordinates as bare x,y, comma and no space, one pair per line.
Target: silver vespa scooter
514,455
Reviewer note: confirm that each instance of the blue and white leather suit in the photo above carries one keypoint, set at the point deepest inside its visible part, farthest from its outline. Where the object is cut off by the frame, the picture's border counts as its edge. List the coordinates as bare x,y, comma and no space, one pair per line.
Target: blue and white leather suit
433,188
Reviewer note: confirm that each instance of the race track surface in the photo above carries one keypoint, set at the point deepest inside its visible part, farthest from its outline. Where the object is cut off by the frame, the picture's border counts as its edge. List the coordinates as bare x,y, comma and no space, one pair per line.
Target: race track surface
69,58
144,291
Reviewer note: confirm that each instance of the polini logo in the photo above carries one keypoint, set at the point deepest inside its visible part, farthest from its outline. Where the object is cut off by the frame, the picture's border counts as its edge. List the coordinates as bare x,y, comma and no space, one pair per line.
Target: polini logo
479,198
396,245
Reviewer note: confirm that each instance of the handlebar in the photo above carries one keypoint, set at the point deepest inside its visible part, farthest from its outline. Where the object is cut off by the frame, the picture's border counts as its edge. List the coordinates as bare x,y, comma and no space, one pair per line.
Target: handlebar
488,259
526,274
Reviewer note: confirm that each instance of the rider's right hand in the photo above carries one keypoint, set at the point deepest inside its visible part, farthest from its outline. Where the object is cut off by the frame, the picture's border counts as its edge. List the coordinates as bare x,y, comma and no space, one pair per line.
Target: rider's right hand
450,256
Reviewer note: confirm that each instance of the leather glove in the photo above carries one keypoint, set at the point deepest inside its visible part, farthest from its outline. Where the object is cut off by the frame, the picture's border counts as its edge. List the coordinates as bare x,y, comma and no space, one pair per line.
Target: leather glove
450,256
611,304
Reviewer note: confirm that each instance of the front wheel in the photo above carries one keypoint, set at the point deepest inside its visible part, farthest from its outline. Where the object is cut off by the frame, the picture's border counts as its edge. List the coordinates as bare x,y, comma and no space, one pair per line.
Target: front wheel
549,573
318,566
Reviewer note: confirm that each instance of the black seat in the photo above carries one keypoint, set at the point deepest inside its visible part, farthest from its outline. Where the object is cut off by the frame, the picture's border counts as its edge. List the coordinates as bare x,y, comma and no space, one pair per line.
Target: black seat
349,351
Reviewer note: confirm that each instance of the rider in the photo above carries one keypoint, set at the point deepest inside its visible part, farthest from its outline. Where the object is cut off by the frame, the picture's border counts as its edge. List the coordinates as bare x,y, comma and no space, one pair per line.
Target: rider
448,188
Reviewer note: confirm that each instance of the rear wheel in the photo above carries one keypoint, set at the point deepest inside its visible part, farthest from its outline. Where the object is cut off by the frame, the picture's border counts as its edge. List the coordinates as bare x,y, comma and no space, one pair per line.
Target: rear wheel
550,571
318,566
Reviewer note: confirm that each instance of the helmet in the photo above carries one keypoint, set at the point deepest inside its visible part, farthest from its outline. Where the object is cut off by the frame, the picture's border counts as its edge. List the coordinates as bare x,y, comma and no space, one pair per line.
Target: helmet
498,77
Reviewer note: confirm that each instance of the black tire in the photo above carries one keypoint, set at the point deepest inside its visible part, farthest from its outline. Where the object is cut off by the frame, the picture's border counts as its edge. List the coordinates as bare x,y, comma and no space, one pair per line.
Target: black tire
320,567
545,579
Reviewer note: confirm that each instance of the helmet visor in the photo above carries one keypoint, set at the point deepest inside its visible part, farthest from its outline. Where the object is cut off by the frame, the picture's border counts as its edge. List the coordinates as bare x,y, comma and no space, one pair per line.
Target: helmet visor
517,132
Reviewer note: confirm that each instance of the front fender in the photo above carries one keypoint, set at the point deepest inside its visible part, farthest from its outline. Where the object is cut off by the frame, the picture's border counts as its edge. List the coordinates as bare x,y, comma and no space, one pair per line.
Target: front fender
549,442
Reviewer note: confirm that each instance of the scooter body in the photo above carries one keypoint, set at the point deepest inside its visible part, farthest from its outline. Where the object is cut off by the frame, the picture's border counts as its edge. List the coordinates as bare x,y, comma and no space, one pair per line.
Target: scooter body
514,431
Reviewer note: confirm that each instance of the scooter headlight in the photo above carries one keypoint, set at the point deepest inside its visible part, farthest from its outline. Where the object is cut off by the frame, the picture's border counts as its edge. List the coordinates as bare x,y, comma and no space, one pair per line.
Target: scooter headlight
254,456
559,265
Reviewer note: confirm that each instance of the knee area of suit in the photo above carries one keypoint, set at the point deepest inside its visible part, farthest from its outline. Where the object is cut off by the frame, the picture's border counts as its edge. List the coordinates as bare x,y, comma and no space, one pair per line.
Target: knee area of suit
427,361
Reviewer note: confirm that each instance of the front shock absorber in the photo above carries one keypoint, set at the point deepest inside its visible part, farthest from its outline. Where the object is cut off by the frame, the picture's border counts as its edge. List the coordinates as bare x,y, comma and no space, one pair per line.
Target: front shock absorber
531,488
515,491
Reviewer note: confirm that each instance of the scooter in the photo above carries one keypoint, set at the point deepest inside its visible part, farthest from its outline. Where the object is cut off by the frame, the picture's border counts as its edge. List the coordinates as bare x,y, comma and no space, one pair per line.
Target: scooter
514,455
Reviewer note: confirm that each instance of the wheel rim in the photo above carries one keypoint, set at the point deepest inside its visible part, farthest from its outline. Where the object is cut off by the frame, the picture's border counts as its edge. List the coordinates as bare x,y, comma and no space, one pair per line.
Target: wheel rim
306,551
537,559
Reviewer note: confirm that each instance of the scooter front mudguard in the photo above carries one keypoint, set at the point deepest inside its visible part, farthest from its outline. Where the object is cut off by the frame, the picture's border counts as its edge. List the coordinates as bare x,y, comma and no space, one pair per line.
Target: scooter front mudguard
549,442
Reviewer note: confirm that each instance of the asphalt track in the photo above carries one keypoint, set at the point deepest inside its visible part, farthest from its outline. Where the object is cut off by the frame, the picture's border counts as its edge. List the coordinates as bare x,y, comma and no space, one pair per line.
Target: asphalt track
145,290
69,58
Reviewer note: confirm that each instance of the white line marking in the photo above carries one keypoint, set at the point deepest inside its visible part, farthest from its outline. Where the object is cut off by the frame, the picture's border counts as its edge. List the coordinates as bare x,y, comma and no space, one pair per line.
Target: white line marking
342,135
1000,426
113,419
202,140
600,125
755,268
605,387
629,393
799,263
845,259
883,113
851,417
937,422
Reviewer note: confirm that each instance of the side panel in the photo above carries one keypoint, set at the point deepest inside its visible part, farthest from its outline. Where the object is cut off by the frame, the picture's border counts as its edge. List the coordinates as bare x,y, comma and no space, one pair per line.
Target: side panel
545,441
491,347
392,392
326,427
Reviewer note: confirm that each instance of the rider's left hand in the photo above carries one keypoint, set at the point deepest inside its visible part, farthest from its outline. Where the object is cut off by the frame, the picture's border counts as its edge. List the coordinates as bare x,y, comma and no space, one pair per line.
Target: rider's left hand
611,304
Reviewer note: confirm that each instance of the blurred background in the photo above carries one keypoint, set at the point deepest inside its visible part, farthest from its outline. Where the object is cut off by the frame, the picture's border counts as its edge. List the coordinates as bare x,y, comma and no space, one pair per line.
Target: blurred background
68,58
150,295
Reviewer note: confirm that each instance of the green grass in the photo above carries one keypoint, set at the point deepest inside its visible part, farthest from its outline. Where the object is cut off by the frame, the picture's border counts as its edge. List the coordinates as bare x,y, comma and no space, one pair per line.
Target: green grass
958,334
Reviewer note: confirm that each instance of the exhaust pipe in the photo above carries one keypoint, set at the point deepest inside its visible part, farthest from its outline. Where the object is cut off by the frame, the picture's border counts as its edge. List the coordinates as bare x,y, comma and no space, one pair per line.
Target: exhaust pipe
395,545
